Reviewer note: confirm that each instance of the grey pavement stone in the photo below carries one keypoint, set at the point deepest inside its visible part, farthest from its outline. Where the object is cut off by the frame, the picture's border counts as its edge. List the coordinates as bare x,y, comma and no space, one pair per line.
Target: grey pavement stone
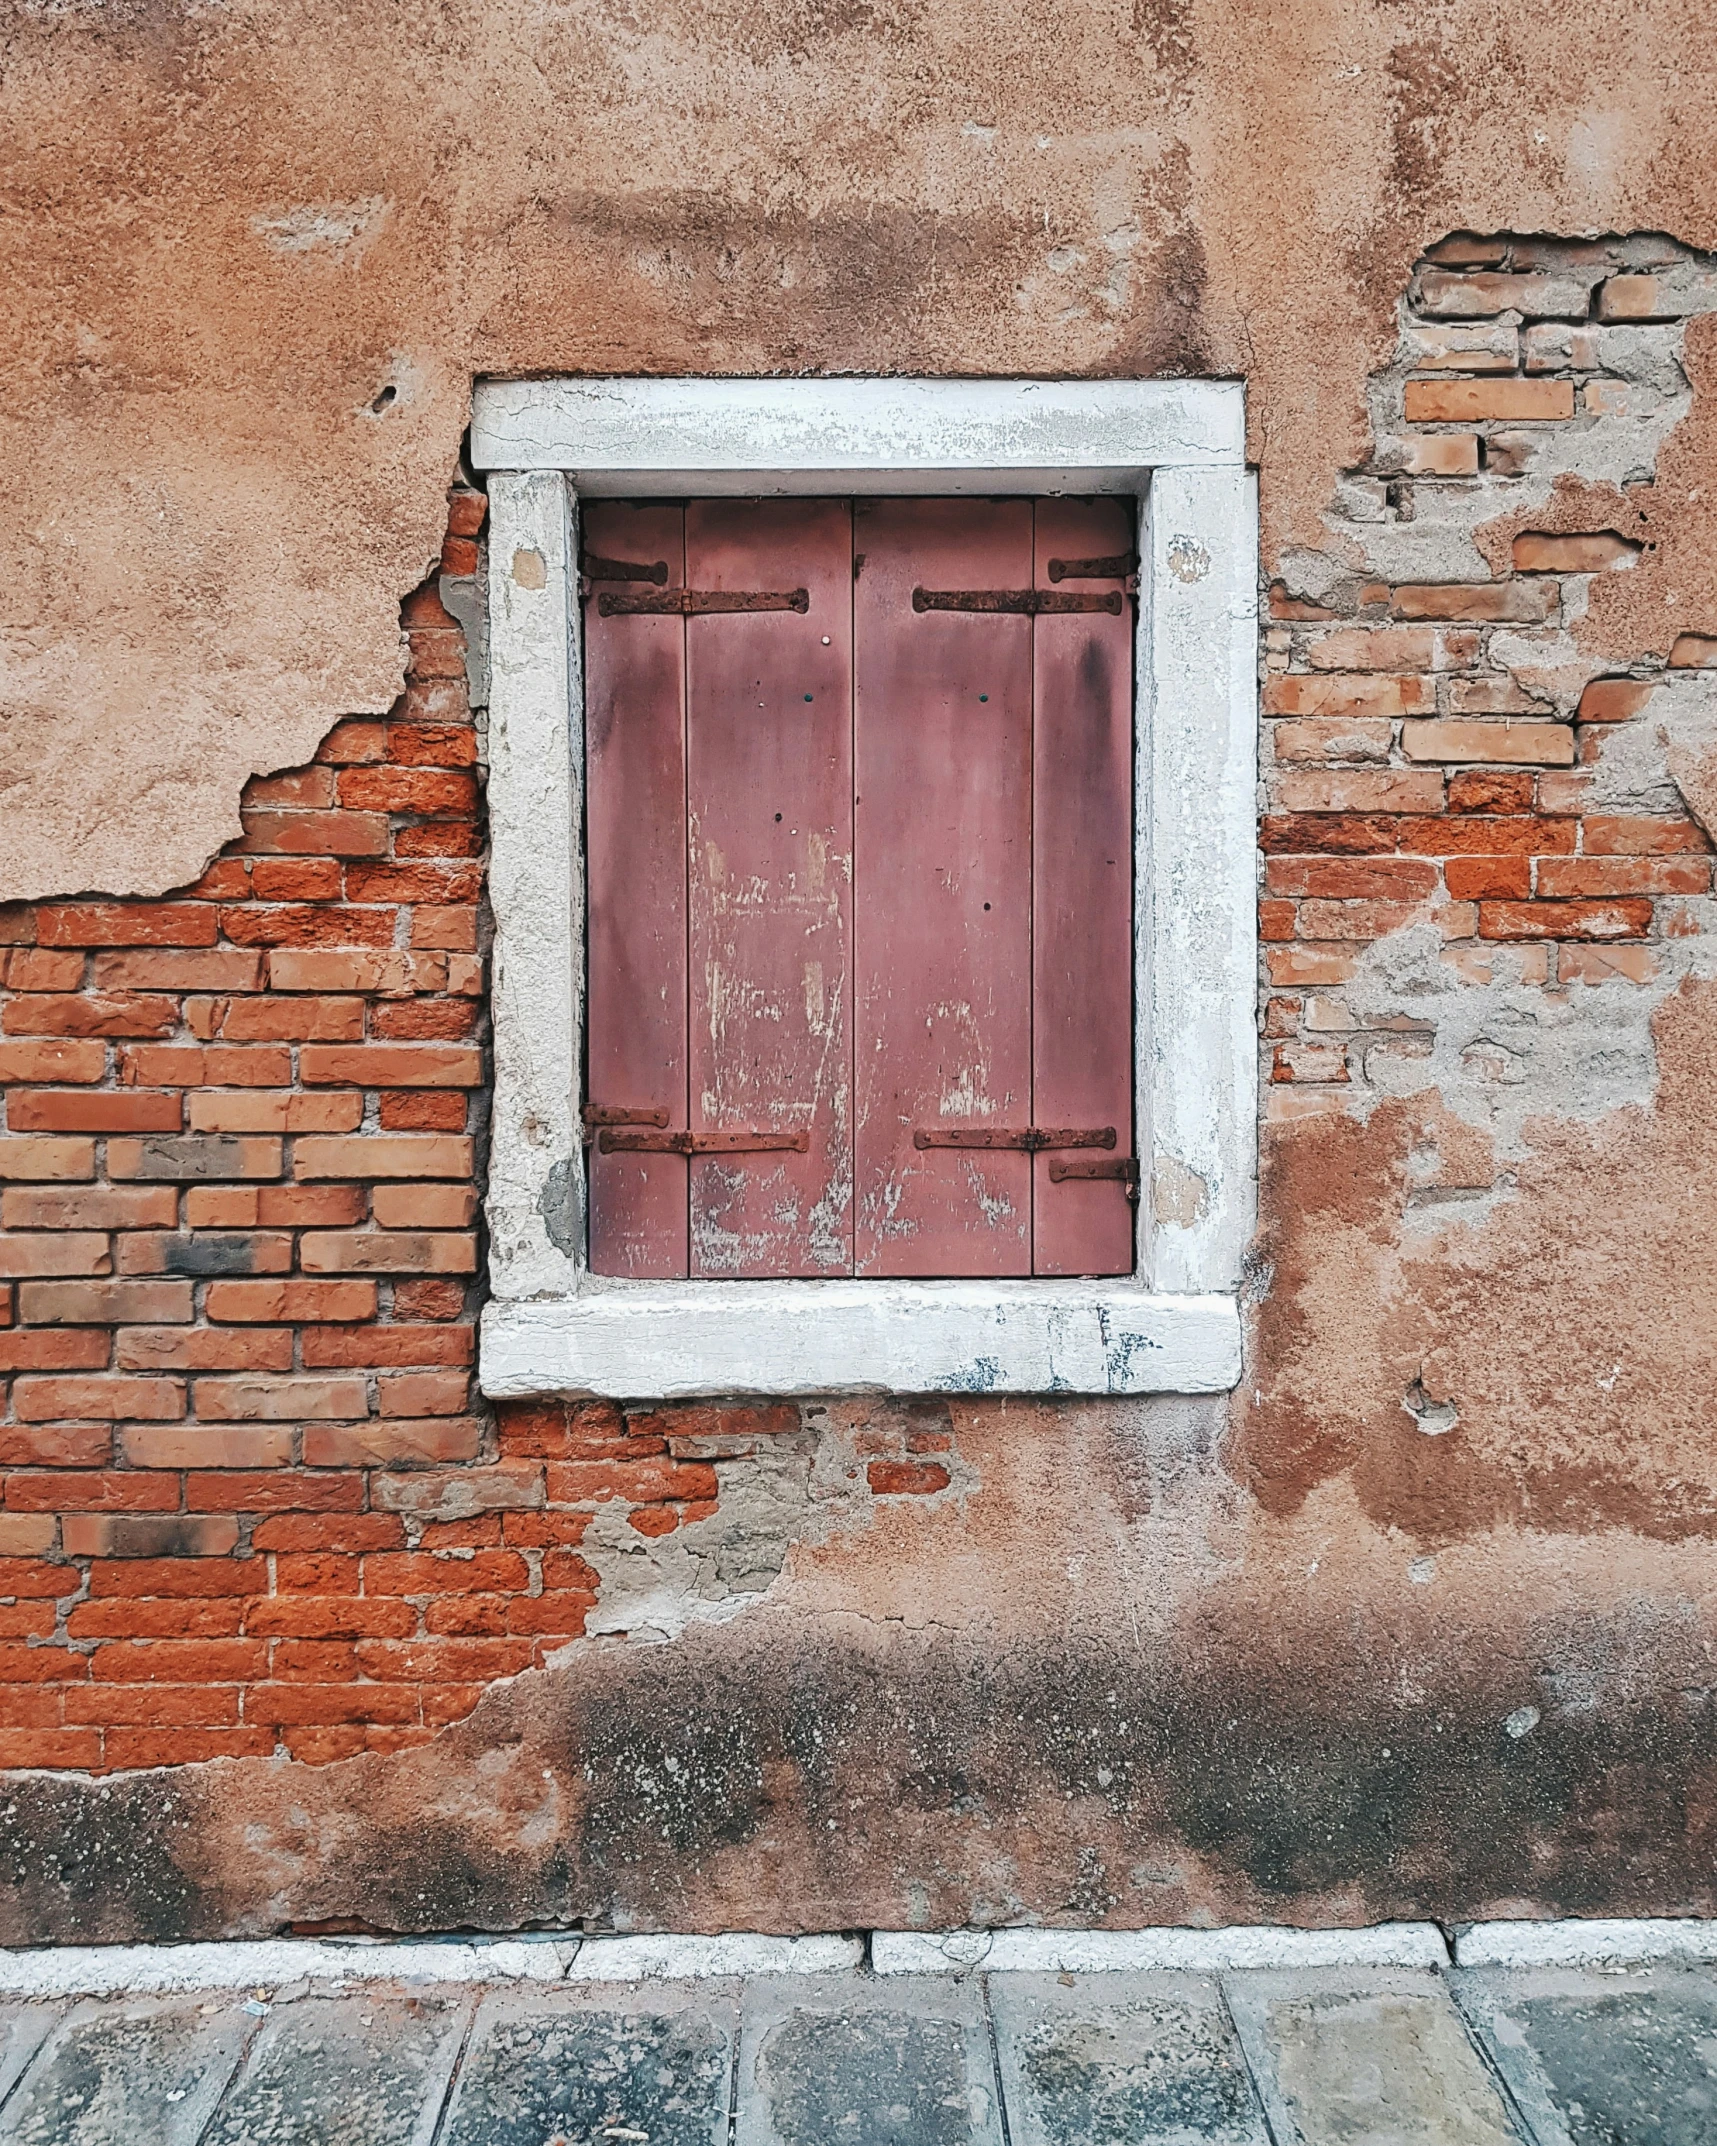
1121,2060
842,2061
117,2074
1603,2058
23,2029
1378,2060
364,2070
603,2065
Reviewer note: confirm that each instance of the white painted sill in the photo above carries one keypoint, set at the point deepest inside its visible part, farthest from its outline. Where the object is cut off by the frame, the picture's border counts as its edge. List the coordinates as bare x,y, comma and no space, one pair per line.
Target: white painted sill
1174,1325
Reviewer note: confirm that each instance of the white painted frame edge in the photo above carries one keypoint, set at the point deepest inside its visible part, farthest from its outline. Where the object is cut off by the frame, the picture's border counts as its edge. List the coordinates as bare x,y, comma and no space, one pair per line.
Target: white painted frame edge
1174,1325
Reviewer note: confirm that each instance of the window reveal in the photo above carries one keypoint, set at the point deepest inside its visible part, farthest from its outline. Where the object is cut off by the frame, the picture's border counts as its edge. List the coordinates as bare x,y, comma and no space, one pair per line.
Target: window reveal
860,873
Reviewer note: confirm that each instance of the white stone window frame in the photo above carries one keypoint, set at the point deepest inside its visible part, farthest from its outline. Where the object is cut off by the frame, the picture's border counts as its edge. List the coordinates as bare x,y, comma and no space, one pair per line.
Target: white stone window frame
1173,1326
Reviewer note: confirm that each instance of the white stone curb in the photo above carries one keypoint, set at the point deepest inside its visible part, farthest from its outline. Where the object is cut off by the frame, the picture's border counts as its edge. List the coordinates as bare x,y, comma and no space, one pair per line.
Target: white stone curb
1581,1944
736,1952
1202,1952
110,1970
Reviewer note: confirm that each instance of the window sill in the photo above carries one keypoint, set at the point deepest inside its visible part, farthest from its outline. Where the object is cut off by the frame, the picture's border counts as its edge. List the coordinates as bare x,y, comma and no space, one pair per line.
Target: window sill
664,1341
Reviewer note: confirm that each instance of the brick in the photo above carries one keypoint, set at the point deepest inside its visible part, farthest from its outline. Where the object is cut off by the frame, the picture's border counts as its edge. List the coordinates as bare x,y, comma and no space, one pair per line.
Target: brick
158,1706
51,1348
206,1445
1303,965
452,928
1614,700
127,1617
50,1747
173,1535
317,1703
253,1400
1361,791
309,787
1565,920
354,741
424,1393
389,1252
1357,919
37,1160
26,1534
89,1014
1685,289
1492,696
427,791
40,968
443,1661
423,1110
906,1478
1278,920
343,1533
222,969
40,1400
1469,297
203,1255
106,1303
194,1155
1693,651
642,1482
316,834
185,1065
451,745
272,1303
41,1665
1332,738
392,1066
129,1747
296,879
1517,600
293,924
1638,835
179,1661
1523,835
466,509
91,1490
384,1155
421,1206
1596,552
95,1207
69,1252
1472,879
273,1206
1606,964
438,838
329,1617
1333,694
396,1443
1490,790
1560,877
1553,346
433,883
428,1300
1450,454
98,1110
1353,878
424,1020
1528,743
50,1060
287,1491
390,974
273,1110
1375,648
1475,402
276,1020
56,1445
199,1348
337,1347
34,1578
127,924
458,1493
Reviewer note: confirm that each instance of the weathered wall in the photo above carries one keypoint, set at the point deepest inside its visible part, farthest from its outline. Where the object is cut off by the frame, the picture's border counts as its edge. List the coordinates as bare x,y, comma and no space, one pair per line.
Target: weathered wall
1424,1621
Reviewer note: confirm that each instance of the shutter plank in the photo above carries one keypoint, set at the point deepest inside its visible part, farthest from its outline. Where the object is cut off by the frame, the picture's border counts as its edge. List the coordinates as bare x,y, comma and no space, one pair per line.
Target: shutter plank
942,932
636,846
770,803
1082,888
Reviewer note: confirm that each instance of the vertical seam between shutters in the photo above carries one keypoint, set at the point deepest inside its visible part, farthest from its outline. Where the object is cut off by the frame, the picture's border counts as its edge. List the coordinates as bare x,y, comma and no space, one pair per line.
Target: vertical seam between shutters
852,893
686,868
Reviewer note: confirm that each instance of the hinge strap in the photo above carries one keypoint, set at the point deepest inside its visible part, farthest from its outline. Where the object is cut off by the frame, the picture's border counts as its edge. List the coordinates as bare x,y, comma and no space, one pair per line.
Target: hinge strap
1031,1140
1124,1167
1032,602
642,1143
693,603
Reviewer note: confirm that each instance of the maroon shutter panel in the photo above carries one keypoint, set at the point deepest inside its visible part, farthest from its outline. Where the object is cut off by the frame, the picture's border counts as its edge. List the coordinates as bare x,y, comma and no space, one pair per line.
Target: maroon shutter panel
769,698
1082,890
634,743
942,863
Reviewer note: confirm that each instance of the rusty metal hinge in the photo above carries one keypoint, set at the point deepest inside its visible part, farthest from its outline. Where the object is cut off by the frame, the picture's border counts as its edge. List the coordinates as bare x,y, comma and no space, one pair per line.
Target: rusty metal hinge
596,569
1032,602
597,1115
694,603
1115,568
1123,1167
622,1142
1034,1138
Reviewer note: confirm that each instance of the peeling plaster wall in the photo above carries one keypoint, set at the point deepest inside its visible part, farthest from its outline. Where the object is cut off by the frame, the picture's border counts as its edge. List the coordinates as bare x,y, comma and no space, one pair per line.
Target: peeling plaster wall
1424,1622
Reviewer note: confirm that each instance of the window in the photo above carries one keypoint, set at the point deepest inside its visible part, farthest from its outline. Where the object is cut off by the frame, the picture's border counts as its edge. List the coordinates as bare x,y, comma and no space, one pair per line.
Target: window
859,842
755,776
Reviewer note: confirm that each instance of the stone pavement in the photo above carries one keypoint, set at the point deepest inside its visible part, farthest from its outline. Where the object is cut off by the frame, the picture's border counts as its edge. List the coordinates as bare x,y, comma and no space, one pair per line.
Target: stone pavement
1327,2057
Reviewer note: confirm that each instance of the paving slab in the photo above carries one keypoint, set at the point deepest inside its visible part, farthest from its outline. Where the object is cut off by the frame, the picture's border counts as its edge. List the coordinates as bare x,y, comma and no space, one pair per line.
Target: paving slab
1374,2060
1623,2057
840,2060
117,2074
601,2065
370,2070
1121,2060
23,2029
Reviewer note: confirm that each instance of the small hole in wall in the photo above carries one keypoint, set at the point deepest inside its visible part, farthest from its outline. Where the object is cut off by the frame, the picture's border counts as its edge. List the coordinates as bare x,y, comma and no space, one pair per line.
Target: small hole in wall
387,397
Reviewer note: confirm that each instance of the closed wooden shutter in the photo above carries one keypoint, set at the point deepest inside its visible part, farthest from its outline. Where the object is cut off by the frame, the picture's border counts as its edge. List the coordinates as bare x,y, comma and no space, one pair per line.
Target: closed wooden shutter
860,854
